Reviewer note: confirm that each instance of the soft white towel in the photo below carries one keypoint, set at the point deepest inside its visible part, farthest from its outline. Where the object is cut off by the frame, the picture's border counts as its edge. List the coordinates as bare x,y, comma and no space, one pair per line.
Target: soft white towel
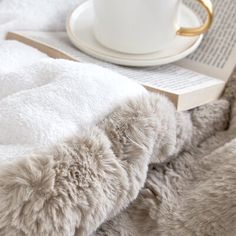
14,55
50,100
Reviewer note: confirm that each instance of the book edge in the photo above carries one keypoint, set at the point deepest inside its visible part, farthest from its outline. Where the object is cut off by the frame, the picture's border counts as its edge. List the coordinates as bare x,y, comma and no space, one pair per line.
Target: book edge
42,47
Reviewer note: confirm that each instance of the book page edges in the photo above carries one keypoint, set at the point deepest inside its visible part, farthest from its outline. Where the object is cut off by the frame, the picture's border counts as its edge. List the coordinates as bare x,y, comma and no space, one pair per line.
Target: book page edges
192,99
172,96
200,97
50,51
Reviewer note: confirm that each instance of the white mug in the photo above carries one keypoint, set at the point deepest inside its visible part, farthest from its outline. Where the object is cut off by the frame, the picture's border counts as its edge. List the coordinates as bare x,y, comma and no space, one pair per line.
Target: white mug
141,26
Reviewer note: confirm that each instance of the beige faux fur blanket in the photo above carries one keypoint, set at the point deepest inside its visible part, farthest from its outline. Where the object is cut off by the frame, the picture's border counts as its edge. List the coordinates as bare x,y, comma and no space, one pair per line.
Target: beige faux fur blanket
143,170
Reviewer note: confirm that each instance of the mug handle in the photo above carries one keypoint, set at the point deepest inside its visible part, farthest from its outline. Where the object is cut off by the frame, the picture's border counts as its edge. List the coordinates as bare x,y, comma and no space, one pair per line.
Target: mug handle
207,5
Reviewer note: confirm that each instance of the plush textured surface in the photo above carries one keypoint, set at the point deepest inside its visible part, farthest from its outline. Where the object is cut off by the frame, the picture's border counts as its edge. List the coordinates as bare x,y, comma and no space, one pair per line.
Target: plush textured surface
193,192
96,184
144,170
44,100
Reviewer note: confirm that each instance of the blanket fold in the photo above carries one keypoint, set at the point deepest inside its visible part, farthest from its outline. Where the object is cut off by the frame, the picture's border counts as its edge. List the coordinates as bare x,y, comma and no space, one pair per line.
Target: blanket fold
43,100
85,181
85,151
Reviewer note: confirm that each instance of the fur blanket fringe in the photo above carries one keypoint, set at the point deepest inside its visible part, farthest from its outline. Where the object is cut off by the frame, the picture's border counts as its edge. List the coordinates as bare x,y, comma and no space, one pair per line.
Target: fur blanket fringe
144,170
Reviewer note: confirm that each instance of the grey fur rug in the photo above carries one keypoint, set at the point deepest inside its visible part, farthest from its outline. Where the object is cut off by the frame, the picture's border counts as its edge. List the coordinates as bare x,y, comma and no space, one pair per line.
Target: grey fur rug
144,170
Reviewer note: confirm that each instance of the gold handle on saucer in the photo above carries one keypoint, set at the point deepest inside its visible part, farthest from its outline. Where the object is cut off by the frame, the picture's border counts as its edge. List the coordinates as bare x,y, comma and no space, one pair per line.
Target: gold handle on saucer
203,28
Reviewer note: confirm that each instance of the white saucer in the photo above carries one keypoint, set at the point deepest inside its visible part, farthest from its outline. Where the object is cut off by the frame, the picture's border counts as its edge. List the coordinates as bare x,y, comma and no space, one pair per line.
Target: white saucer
80,31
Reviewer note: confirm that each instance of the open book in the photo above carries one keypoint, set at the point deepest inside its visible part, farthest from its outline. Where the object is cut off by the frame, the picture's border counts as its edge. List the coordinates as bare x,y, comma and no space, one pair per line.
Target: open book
193,81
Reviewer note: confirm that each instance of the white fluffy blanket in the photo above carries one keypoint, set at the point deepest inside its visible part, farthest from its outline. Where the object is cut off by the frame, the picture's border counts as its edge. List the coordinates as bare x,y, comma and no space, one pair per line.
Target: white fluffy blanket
85,151
43,100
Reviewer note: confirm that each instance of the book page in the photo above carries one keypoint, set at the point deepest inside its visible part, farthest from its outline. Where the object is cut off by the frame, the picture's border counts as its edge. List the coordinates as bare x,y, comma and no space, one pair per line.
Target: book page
216,55
186,81
170,78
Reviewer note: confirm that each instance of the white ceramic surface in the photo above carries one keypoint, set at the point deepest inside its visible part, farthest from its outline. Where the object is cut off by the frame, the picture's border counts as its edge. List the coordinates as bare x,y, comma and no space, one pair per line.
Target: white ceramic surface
136,26
80,31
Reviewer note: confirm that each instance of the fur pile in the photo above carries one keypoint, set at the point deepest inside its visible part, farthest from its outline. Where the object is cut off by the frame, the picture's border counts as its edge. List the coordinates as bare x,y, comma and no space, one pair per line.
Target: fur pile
144,170
193,192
